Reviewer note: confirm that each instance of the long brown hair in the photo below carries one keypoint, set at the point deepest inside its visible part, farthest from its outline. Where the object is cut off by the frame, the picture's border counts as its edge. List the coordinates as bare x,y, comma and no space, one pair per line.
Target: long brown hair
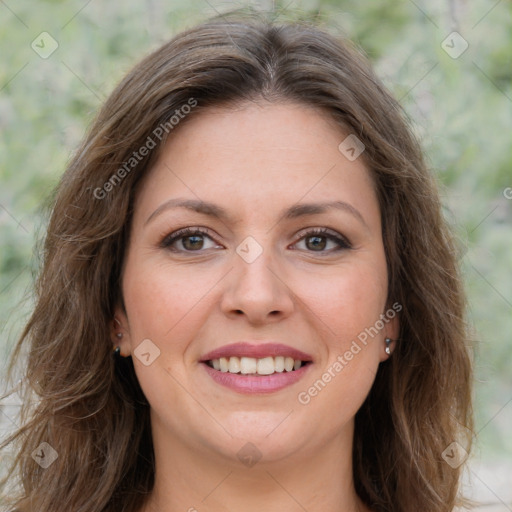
89,406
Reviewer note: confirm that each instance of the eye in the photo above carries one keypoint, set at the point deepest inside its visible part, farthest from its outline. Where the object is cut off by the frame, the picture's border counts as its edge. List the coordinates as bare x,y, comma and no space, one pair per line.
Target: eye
187,240
318,239
193,240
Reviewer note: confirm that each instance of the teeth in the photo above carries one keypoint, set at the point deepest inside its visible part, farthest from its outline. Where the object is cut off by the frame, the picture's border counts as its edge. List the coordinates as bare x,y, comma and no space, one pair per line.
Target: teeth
234,365
253,366
224,364
248,365
266,366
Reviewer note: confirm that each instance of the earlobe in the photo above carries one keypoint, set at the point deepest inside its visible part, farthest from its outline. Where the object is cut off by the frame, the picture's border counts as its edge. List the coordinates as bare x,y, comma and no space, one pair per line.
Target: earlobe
119,334
388,348
391,338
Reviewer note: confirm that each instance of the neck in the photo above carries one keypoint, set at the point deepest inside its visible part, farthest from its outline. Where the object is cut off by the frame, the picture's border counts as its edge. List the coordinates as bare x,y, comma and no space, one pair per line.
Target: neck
195,478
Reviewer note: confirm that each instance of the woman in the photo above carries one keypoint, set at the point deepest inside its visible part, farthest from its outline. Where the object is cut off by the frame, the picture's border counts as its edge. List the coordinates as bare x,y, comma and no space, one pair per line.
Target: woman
249,297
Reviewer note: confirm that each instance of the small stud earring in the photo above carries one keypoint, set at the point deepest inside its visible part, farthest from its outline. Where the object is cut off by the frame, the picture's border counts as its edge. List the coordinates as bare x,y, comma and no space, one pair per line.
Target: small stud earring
388,347
119,335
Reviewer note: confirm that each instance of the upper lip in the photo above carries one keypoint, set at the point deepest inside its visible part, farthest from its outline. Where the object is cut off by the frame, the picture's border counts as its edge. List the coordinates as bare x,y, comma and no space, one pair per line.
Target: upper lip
259,351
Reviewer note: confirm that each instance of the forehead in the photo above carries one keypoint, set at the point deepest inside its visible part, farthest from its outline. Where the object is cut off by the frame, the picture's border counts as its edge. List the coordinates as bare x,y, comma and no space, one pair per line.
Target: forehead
256,156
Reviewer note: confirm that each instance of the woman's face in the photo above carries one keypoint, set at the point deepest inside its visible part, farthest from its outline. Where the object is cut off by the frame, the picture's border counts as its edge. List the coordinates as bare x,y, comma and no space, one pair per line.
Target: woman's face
260,268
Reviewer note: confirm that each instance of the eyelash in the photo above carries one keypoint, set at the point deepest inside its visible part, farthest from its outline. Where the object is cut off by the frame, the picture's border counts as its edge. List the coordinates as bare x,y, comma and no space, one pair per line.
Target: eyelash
343,242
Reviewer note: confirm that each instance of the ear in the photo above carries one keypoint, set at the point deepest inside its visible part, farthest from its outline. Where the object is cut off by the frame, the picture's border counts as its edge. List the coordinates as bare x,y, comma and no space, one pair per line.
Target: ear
120,332
392,331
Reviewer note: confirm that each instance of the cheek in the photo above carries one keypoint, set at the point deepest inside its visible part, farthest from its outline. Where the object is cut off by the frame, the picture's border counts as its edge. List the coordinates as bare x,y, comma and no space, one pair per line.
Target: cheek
164,305
349,300
159,297
345,308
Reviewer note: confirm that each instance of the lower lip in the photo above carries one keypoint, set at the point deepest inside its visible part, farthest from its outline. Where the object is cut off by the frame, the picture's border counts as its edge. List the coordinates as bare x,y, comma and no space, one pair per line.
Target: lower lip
256,384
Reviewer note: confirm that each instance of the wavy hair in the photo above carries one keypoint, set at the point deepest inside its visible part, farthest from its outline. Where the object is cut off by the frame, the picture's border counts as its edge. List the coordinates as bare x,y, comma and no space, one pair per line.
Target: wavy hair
88,405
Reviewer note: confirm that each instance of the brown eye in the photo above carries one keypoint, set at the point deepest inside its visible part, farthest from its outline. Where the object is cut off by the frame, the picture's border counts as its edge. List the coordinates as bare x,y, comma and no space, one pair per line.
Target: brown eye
192,242
187,240
322,240
316,242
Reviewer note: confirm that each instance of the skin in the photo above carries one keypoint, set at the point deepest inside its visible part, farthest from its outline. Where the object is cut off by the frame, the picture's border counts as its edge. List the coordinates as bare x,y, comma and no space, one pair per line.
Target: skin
254,160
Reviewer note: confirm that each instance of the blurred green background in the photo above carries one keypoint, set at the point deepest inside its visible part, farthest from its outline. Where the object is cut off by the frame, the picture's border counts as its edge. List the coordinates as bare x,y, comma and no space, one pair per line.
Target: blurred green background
460,107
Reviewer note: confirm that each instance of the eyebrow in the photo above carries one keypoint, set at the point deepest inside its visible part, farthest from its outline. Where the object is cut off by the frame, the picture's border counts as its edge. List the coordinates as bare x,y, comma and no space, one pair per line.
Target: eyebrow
293,212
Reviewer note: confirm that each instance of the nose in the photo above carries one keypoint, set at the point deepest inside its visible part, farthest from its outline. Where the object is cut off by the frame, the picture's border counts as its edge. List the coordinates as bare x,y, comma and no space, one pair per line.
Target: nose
257,290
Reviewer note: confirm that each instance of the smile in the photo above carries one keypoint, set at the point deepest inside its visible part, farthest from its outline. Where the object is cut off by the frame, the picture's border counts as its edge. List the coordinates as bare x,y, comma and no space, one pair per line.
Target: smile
252,381
253,366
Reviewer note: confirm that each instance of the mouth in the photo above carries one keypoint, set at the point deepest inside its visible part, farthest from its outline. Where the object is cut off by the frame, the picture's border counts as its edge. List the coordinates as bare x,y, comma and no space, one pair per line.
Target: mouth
256,368
252,366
